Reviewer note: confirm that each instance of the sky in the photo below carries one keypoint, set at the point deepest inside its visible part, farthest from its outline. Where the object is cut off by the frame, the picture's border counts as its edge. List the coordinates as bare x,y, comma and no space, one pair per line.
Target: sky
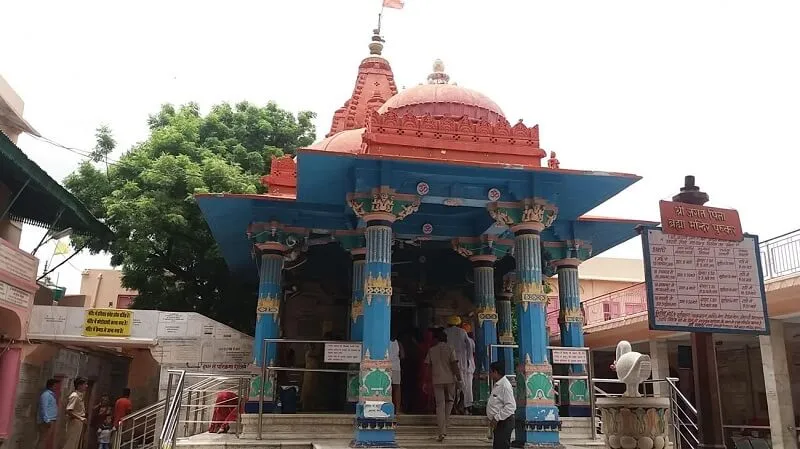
658,89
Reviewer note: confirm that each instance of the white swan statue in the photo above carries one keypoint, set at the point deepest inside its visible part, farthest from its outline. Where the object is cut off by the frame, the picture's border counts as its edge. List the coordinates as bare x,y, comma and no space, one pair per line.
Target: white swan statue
632,368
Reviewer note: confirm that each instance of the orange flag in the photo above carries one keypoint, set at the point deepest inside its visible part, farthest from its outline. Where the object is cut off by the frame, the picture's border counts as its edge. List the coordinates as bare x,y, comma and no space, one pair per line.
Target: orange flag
394,4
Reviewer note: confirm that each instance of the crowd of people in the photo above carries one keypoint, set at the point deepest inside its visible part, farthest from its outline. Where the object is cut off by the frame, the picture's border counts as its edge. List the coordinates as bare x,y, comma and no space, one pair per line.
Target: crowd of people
105,416
443,364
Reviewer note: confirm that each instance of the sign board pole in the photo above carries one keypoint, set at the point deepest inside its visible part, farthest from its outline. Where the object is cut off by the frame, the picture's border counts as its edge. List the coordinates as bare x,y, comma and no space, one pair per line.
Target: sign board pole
704,357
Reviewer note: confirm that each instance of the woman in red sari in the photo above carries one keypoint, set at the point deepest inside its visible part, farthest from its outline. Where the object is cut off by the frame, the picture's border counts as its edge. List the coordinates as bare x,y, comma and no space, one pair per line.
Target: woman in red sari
226,411
425,382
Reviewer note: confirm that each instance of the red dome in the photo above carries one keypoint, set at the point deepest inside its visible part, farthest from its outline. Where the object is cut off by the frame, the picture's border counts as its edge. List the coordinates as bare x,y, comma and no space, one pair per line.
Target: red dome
348,141
444,99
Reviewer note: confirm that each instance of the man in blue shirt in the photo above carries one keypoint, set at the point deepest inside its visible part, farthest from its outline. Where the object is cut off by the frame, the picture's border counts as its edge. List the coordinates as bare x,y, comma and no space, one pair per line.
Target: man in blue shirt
48,413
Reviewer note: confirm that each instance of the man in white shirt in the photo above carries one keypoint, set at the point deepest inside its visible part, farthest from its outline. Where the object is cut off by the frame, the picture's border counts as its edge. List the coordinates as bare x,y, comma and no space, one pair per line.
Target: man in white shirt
500,407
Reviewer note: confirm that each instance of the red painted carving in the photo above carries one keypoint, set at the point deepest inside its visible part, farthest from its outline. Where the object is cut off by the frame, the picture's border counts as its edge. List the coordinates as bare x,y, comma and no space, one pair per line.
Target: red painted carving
282,178
374,85
553,161
455,139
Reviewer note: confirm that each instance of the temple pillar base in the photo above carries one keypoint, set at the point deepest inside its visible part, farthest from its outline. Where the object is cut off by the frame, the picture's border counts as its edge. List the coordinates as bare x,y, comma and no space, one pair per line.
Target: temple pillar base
374,432
538,426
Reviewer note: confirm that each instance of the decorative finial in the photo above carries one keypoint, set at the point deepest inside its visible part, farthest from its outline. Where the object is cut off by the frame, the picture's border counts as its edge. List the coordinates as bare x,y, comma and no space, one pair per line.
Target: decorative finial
438,76
376,46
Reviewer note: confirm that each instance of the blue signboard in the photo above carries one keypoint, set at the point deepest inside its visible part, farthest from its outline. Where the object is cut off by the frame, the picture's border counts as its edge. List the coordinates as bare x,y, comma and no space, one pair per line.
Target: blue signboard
698,284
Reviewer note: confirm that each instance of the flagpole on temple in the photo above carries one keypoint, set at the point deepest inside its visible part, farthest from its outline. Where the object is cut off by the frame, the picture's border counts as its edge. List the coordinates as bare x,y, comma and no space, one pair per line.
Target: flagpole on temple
380,15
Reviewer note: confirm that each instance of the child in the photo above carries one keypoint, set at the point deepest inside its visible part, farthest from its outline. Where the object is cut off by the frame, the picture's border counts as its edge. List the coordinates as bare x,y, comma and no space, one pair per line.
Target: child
104,433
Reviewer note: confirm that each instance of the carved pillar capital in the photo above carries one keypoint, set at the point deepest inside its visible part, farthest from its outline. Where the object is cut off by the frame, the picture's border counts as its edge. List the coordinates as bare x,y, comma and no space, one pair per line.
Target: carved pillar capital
383,204
276,238
534,214
484,249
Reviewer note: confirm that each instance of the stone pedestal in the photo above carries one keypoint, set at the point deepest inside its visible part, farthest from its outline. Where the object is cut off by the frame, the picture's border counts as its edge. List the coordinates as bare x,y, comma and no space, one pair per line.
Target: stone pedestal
635,423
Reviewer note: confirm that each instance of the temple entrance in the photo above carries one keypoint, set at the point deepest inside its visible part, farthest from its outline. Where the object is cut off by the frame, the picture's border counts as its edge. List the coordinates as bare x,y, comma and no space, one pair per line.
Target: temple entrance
430,283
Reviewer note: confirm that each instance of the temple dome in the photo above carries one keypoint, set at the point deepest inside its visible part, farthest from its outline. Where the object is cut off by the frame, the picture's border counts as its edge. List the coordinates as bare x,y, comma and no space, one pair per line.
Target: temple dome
438,98
348,141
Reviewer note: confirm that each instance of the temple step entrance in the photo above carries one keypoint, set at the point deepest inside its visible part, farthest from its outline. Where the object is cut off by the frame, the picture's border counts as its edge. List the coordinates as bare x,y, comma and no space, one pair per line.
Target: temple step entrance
334,431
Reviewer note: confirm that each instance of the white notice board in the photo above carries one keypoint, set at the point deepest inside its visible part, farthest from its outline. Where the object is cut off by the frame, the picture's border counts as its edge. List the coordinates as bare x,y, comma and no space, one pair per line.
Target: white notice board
342,352
704,285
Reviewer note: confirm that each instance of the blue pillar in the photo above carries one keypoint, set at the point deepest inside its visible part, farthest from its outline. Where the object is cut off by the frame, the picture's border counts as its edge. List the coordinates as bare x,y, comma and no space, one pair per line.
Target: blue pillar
267,319
483,271
375,414
356,303
538,421
356,318
269,294
504,325
571,324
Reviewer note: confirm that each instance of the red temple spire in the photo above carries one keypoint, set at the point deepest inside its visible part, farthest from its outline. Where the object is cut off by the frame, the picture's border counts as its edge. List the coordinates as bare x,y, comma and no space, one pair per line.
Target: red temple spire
374,85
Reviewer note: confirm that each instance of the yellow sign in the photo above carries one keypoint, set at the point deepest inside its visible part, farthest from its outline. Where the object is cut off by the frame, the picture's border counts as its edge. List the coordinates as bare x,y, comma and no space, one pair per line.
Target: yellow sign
108,323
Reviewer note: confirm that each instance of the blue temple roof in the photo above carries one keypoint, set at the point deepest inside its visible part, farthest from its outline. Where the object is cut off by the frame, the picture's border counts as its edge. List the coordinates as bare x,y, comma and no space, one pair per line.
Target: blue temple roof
229,216
327,178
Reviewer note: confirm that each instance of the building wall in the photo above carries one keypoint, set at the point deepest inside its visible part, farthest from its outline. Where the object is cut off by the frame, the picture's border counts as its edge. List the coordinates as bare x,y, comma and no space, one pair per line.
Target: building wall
102,288
45,361
11,104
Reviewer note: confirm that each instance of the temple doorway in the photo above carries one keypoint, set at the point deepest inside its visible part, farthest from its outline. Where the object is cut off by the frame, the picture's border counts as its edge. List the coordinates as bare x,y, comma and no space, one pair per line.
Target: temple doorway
430,283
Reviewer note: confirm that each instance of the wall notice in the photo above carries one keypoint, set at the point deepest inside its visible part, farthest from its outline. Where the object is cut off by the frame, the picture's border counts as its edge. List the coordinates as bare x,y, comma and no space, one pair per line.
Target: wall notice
14,296
697,284
342,352
564,356
108,323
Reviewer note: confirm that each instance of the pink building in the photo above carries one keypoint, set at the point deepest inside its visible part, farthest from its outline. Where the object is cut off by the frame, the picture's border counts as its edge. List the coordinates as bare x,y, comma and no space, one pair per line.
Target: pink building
27,195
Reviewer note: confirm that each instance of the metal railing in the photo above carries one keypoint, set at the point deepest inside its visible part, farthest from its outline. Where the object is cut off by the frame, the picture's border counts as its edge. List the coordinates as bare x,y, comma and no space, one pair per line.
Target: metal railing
159,424
620,303
588,366
683,415
780,256
266,371
166,439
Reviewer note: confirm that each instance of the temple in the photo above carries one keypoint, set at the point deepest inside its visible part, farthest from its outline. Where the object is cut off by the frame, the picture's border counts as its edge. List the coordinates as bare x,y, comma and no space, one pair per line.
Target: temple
417,205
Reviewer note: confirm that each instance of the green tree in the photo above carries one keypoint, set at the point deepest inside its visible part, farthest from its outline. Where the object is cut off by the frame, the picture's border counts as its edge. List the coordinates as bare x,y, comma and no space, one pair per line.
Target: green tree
162,242
104,145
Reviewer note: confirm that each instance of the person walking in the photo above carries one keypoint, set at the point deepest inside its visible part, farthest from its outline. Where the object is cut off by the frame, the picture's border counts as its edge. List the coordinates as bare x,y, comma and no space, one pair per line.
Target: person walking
445,376
500,407
458,339
48,414
76,414
469,375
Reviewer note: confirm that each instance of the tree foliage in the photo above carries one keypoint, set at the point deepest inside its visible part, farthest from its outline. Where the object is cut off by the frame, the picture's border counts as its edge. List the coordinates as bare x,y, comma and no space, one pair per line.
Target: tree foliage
162,242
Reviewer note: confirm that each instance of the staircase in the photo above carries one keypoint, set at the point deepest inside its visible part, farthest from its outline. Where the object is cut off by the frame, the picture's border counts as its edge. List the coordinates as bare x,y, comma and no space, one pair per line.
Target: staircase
329,431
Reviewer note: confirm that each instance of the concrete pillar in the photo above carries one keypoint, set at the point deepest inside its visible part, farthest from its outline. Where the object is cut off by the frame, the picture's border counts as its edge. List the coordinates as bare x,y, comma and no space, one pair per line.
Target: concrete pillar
356,302
537,416
571,323
777,383
356,317
504,324
659,358
375,425
269,299
483,270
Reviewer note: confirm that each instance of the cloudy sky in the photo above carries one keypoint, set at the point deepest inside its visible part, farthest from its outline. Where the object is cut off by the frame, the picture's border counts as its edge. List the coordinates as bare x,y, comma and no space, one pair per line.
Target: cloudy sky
659,89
